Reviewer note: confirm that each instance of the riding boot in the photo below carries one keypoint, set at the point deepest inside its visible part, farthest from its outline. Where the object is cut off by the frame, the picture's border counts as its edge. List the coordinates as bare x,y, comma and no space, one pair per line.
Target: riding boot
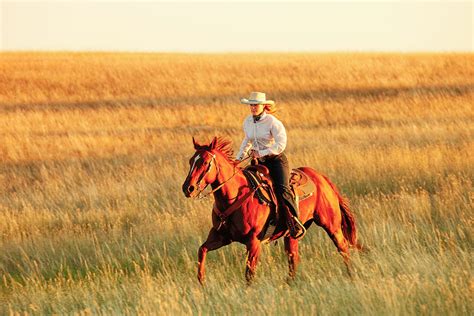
297,229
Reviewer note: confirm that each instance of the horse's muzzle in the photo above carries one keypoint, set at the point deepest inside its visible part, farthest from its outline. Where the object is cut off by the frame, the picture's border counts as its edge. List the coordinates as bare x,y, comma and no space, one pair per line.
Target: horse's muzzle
188,189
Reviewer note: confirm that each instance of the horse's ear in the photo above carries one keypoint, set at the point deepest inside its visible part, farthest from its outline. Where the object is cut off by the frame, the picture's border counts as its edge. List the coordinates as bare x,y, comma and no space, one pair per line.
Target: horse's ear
196,145
213,143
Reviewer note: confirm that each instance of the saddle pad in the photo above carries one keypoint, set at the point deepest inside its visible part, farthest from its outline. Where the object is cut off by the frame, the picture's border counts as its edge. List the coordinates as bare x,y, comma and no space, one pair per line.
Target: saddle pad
302,185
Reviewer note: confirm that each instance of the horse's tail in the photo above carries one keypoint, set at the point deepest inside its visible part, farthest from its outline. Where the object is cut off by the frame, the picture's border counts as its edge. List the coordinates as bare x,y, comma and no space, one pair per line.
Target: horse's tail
348,224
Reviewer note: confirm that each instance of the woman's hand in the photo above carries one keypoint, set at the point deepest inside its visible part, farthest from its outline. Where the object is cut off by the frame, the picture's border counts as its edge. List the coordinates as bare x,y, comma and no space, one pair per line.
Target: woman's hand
254,154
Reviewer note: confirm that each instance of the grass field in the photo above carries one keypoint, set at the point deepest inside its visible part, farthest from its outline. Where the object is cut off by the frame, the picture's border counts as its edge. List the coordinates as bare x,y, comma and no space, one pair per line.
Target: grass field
94,149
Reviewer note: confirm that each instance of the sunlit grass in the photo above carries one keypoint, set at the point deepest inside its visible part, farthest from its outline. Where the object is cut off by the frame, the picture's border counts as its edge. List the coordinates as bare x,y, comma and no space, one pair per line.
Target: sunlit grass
94,149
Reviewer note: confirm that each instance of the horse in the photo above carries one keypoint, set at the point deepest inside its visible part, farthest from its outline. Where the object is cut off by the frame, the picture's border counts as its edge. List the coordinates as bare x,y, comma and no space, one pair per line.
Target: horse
238,216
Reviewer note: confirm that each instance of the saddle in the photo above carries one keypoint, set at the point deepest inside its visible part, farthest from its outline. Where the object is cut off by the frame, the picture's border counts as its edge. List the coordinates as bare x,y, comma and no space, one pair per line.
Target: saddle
303,187
258,176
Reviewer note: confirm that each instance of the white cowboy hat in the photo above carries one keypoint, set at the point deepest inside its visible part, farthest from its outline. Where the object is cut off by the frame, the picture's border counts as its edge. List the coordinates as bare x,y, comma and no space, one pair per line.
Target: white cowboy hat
256,98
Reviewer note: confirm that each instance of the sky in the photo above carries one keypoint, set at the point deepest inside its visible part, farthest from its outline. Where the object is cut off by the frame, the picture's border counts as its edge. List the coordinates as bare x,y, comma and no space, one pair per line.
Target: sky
236,26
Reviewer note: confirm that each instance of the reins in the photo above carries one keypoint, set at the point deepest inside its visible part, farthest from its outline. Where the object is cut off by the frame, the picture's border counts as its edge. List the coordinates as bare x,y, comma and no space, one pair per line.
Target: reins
234,206
200,197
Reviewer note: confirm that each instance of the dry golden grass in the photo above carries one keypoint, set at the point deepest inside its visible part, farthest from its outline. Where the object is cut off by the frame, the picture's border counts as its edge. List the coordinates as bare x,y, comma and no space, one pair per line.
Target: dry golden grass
94,148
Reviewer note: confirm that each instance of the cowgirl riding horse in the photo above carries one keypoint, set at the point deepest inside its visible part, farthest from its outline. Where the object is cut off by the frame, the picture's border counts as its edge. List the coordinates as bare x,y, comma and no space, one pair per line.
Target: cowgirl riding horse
238,216
265,140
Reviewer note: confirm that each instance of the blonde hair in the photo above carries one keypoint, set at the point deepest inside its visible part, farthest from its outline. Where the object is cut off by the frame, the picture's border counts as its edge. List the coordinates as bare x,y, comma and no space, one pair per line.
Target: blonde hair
269,108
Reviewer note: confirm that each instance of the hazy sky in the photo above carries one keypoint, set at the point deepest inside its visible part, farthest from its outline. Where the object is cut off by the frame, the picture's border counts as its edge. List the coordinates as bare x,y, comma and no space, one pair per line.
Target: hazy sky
215,26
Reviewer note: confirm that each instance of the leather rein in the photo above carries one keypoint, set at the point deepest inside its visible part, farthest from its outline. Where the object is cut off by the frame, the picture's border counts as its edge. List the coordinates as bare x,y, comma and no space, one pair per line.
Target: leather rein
203,196
223,215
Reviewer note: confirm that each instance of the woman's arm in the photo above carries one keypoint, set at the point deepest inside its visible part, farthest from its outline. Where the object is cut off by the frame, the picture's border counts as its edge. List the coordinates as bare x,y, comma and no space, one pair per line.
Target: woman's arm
244,148
279,134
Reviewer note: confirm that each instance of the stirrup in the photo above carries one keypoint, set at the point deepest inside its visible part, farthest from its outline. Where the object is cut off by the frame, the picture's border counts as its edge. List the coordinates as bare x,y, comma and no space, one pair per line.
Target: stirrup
293,228
303,229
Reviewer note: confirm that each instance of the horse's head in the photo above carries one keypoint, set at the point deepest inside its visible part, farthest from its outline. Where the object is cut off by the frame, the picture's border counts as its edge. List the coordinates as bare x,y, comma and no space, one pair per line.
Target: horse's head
203,169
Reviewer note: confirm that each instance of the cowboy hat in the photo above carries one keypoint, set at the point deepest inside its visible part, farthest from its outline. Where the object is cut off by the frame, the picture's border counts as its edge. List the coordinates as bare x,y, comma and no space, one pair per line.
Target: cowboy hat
256,98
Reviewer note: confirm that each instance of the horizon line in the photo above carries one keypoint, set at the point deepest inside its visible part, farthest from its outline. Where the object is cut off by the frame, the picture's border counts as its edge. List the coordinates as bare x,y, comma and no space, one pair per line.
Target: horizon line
407,52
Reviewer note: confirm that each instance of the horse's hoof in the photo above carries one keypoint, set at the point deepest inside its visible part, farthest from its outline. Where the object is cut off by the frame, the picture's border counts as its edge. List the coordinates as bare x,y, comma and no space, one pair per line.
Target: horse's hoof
201,280
290,279
249,278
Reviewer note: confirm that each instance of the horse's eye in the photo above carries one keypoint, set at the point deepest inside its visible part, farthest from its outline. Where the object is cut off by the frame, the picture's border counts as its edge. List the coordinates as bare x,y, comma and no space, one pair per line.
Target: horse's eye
193,160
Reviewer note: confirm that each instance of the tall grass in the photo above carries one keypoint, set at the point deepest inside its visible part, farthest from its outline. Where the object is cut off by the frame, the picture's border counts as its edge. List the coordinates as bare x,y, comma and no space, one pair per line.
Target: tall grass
94,149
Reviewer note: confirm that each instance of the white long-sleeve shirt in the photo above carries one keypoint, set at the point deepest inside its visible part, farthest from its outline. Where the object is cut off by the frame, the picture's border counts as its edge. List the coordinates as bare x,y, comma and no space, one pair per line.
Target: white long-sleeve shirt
267,136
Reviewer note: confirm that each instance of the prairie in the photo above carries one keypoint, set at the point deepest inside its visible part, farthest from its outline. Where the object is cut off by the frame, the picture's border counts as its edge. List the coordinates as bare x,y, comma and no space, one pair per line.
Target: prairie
94,148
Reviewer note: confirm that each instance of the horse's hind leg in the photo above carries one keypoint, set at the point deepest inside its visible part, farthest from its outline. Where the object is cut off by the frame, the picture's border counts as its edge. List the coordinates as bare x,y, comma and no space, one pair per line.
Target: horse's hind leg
291,249
343,247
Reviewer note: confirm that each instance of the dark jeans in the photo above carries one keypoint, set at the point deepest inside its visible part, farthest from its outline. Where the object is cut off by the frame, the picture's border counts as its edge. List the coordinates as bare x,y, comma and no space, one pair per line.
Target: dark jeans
280,173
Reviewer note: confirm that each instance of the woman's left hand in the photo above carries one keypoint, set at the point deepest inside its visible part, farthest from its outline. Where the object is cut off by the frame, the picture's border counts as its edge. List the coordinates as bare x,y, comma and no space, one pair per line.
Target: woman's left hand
254,154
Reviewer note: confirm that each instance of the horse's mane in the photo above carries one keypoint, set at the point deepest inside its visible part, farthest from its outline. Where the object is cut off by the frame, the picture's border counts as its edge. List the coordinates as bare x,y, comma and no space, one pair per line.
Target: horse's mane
224,146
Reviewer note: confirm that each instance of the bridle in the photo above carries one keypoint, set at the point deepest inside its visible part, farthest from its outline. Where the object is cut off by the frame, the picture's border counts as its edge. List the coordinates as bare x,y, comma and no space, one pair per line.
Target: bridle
223,215
201,177
201,196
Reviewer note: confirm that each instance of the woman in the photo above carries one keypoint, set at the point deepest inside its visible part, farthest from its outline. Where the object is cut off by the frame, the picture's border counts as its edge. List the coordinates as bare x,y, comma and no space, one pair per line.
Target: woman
265,140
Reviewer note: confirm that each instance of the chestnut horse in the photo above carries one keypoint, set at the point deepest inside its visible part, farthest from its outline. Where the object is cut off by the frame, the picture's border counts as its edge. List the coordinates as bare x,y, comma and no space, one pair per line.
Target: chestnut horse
238,216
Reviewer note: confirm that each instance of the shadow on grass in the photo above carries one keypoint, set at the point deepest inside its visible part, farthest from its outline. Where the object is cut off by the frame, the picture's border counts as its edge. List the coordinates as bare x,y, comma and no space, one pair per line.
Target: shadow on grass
376,93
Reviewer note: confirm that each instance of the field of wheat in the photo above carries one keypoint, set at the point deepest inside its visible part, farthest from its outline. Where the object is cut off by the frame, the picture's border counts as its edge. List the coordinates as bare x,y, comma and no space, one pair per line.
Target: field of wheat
94,148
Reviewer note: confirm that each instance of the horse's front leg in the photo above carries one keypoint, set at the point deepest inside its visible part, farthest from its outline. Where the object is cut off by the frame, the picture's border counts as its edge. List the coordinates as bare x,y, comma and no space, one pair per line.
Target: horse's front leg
214,241
291,249
253,252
